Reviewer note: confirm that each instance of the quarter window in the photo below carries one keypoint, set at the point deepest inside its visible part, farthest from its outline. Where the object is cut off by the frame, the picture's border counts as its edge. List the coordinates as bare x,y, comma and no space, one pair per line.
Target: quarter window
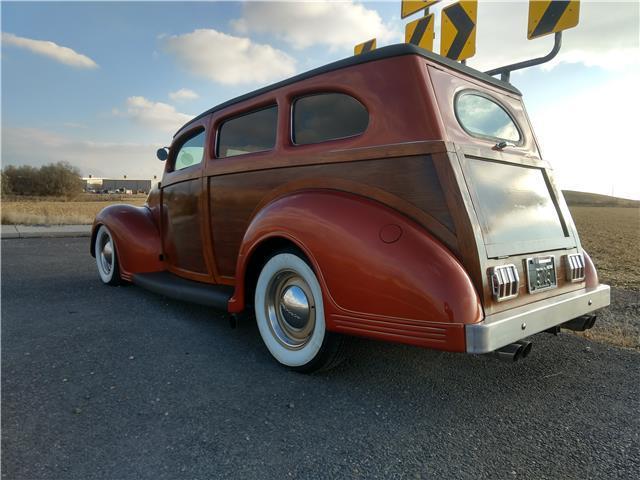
482,117
327,116
191,152
253,132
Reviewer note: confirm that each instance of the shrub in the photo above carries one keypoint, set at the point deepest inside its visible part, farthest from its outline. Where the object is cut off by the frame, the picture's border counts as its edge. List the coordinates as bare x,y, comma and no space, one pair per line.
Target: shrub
57,179
5,184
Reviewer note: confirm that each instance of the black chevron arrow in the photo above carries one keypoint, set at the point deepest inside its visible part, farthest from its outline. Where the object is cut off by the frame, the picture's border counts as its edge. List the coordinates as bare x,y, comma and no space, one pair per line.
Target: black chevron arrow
550,17
368,46
421,27
464,25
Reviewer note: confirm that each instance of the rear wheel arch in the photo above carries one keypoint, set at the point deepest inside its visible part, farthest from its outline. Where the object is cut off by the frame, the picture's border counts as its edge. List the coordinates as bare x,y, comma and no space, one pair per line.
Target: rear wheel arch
260,254
94,235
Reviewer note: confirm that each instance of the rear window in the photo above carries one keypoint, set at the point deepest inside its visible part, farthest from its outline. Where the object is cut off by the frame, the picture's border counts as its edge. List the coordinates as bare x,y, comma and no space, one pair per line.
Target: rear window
513,203
250,133
327,116
483,117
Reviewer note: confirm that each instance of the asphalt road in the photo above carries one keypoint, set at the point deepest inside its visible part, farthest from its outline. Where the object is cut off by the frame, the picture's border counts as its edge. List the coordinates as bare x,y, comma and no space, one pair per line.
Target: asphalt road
118,383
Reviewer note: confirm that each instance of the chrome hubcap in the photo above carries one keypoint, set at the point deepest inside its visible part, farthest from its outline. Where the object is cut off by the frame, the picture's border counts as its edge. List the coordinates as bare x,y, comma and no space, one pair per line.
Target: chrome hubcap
294,306
290,309
106,254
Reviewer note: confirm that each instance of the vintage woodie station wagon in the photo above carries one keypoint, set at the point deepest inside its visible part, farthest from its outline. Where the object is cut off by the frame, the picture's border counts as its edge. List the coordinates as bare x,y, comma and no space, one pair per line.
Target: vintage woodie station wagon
395,195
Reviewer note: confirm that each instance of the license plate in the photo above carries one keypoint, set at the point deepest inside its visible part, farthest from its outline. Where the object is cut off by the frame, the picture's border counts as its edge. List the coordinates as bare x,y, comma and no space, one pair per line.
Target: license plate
541,273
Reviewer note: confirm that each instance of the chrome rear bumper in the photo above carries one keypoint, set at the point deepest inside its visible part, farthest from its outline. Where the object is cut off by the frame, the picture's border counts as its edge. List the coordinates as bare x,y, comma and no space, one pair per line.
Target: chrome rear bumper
502,328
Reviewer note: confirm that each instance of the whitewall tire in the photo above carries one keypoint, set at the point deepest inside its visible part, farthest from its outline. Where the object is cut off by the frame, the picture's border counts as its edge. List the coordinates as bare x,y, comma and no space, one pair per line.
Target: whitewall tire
106,257
290,314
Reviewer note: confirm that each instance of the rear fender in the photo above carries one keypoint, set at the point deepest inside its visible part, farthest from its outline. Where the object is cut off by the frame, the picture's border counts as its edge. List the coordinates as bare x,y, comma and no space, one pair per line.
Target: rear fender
136,235
590,273
382,275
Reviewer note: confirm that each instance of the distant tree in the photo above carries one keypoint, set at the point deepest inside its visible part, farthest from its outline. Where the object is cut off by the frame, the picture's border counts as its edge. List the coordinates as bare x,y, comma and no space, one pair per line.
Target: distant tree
23,179
60,179
57,179
5,184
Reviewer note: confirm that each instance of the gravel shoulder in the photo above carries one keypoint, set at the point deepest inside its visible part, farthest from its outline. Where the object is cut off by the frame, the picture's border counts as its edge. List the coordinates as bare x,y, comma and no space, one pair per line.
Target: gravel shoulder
102,382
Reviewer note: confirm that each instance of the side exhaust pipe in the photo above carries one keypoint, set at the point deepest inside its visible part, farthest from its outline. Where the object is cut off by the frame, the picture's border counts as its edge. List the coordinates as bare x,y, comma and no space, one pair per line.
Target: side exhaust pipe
514,351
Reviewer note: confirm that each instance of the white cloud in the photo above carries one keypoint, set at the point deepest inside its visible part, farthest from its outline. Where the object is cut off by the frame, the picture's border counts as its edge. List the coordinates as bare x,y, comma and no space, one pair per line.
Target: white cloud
49,49
183,94
338,25
227,59
100,159
585,136
154,115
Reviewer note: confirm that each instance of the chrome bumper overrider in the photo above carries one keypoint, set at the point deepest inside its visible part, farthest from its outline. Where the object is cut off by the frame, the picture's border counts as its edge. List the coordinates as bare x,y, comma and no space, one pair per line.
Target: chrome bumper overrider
503,328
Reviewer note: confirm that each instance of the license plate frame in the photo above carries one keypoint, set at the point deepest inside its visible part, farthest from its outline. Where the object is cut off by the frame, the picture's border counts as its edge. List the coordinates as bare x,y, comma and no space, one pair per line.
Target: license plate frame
541,273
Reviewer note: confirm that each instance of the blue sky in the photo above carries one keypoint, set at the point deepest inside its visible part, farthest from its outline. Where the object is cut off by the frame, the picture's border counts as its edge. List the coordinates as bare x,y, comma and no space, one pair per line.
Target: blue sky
107,104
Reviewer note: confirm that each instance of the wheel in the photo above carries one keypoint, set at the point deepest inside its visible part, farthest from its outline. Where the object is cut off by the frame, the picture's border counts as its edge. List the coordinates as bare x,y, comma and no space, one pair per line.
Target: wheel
106,258
290,315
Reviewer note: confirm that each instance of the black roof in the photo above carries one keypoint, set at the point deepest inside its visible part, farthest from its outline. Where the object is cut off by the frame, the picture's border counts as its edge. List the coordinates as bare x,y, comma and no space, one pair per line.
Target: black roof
378,54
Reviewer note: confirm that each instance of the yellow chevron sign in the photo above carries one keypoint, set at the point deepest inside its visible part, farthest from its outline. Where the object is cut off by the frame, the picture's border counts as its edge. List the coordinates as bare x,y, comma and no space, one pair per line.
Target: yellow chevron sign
365,47
420,32
409,7
458,30
550,16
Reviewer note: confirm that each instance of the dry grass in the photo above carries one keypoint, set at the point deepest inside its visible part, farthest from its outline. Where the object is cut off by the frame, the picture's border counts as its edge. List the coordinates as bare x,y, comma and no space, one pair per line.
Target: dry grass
60,212
611,235
625,336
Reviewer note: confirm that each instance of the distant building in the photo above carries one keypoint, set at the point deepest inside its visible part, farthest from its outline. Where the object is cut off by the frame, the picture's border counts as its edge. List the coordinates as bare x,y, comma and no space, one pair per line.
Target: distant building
93,184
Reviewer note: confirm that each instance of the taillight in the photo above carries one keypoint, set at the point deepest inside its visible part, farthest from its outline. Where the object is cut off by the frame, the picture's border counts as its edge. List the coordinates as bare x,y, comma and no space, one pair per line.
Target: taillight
504,282
574,267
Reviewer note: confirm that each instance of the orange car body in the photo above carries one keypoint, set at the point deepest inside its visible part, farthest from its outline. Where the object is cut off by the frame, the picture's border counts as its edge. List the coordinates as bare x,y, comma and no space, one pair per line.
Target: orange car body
390,219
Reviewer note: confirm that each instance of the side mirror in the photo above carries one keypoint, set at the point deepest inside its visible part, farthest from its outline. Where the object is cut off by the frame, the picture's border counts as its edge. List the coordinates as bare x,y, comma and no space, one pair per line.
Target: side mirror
162,153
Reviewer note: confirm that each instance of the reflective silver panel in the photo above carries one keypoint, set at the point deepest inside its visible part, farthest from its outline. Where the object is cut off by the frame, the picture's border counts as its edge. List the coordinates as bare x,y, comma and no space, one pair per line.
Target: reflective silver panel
513,203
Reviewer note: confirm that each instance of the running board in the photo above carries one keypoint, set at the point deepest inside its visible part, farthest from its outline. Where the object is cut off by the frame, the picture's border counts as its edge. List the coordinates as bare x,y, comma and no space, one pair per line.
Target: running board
170,285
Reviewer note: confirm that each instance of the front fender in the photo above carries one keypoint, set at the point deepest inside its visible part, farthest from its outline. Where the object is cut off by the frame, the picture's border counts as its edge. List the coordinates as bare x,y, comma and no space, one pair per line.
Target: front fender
136,235
383,275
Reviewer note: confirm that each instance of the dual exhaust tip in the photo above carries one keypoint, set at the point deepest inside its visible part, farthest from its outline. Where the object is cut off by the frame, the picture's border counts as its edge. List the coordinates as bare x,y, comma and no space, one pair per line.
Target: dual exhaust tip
514,351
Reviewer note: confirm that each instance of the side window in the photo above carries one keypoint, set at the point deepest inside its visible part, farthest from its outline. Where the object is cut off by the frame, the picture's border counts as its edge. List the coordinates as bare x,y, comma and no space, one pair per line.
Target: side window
252,132
327,116
480,116
191,152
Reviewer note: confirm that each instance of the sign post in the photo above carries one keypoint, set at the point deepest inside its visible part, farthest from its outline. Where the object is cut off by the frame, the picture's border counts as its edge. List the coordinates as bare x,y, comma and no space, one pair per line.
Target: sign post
545,17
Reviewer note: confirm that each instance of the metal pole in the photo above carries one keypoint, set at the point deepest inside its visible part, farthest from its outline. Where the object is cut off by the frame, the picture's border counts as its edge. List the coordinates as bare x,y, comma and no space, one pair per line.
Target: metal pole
505,72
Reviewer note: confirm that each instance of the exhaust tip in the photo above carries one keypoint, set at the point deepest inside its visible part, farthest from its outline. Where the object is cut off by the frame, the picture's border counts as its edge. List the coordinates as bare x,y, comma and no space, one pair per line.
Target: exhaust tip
526,348
509,353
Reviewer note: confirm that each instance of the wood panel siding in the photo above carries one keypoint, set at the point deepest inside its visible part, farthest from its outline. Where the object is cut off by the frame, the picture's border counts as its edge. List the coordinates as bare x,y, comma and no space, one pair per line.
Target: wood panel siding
407,184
